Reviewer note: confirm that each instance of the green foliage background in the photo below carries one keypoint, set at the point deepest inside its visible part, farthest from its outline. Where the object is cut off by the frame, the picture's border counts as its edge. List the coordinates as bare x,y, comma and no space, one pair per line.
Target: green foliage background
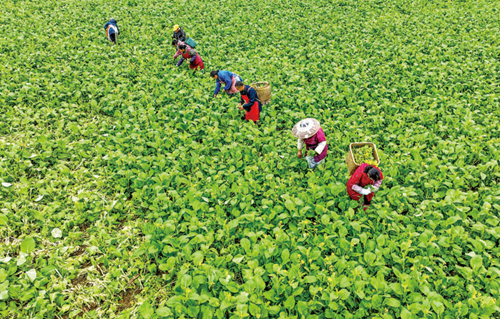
129,193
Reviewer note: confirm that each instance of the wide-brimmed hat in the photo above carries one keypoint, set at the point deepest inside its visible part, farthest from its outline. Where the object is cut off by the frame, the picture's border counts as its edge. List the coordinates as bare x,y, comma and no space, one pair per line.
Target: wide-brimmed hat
175,27
306,128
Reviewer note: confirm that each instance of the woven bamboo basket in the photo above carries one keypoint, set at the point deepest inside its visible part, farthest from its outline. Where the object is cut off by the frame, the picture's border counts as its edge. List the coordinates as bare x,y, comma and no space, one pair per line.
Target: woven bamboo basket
263,91
351,162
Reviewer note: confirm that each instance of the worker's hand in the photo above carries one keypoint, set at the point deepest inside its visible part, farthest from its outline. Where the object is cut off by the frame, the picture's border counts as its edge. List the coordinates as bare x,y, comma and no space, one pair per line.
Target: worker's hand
365,191
299,154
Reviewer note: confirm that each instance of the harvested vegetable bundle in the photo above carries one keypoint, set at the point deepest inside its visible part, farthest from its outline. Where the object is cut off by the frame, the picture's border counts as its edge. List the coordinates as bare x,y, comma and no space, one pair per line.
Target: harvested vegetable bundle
364,154
359,153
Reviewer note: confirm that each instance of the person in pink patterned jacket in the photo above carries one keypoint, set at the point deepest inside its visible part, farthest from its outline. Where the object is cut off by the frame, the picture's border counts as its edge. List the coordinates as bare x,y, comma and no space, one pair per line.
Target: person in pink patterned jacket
175,44
310,134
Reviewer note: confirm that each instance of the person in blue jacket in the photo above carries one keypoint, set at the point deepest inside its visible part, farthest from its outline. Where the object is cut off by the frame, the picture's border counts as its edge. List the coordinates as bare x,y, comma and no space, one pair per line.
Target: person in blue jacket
226,78
112,30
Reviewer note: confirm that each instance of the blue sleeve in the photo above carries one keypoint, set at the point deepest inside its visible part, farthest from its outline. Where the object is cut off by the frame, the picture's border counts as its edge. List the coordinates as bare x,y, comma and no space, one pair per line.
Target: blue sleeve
217,87
106,26
180,61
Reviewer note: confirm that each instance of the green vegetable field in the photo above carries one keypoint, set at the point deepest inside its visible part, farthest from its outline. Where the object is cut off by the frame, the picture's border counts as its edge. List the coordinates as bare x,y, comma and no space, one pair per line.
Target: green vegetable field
128,191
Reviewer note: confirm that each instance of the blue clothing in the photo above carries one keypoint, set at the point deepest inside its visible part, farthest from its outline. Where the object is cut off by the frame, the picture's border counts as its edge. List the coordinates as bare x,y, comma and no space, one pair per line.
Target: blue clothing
226,77
113,23
252,97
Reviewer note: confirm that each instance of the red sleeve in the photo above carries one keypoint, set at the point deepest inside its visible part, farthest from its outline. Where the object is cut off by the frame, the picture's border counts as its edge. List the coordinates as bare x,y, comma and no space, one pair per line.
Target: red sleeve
356,177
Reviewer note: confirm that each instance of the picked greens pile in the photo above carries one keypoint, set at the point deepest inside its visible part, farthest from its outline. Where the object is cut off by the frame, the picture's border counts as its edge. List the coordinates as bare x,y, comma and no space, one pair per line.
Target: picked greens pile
364,154
126,191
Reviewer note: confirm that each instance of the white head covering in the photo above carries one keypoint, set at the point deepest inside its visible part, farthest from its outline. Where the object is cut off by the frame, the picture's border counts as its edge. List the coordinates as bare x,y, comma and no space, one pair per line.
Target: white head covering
306,128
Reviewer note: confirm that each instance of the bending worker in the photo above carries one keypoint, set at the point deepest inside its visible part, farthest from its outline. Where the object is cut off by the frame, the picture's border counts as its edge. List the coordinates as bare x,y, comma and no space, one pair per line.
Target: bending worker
249,101
188,53
226,78
112,30
309,133
363,176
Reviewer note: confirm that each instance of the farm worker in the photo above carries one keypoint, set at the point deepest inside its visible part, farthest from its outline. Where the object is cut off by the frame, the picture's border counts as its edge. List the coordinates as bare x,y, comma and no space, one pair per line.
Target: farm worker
309,133
363,176
228,79
249,101
179,34
195,60
112,30
175,44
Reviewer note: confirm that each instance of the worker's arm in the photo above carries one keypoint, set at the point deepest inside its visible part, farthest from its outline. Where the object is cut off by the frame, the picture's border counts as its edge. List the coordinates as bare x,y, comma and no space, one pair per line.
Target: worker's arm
217,87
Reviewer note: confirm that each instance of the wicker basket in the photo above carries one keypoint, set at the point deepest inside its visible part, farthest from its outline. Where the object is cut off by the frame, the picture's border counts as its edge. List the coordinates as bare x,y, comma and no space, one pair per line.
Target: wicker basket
263,91
351,162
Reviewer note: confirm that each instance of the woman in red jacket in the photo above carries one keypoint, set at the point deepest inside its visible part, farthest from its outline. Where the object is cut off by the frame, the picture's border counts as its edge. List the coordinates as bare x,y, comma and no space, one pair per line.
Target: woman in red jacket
190,54
363,176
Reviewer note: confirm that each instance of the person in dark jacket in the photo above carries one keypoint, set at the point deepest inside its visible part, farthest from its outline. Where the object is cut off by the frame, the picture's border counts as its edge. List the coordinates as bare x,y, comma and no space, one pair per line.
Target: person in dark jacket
112,30
249,101
179,34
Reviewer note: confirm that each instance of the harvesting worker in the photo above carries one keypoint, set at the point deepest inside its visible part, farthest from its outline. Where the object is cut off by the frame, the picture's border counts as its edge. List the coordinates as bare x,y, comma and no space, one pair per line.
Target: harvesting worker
112,30
179,34
226,78
310,134
364,175
249,102
175,44
188,53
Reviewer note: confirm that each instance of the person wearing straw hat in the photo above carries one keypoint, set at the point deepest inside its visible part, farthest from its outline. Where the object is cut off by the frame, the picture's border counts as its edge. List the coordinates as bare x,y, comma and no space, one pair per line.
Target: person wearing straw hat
226,78
112,30
249,101
179,34
365,175
188,53
309,133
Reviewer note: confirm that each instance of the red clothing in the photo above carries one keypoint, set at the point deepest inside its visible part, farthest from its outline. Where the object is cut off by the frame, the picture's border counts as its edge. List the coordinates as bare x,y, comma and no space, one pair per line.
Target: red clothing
253,114
361,178
198,62
313,141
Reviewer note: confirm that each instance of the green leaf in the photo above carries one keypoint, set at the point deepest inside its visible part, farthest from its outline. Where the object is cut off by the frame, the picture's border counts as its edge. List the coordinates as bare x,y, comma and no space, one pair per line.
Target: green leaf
56,233
238,259
21,260
290,303
28,245
405,314
3,275
163,311
290,205
392,302
476,262
198,258
31,274
4,295
146,310
438,307
310,279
